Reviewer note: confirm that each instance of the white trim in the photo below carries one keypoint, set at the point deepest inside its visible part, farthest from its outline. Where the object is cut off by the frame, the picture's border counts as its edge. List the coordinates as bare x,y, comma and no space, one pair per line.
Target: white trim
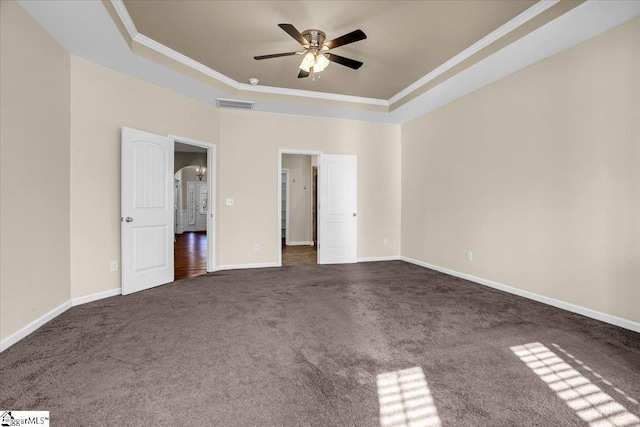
245,266
516,22
579,24
212,172
287,207
47,317
183,59
137,37
94,297
603,317
303,152
282,151
492,37
123,13
379,258
87,30
32,326
299,243
312,94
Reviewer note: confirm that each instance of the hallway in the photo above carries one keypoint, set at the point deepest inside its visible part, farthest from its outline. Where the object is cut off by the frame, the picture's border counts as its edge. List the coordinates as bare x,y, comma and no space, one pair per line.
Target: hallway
190,254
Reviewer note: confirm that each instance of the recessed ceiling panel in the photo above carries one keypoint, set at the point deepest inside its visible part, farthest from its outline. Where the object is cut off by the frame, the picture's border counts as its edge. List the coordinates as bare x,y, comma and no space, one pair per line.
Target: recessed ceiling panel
405,39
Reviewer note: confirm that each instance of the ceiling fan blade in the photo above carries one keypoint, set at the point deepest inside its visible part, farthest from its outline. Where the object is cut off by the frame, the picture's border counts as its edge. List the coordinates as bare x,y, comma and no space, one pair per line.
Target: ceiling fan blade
351,63
353,36
291,30
275,55
303,74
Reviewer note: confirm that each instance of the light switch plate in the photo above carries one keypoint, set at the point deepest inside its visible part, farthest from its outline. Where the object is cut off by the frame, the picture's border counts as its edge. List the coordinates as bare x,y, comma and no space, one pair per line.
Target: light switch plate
229,202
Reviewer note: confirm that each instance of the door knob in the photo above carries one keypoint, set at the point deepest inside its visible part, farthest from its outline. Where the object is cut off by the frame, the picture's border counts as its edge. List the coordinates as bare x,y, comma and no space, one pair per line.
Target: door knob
128,219
355,214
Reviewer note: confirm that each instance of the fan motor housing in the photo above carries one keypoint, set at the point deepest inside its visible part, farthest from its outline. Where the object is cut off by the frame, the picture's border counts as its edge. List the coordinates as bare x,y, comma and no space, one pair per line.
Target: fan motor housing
316,38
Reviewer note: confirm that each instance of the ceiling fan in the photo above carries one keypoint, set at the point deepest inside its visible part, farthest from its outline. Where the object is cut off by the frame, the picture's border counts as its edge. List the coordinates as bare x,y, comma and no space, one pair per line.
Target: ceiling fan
316,56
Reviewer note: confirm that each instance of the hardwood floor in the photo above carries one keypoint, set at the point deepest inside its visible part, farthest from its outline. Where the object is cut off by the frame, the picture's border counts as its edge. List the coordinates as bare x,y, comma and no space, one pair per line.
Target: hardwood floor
190,254
298,255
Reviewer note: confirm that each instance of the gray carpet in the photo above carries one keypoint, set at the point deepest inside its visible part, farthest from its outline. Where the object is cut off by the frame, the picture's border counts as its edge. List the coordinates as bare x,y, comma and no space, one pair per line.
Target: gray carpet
304,345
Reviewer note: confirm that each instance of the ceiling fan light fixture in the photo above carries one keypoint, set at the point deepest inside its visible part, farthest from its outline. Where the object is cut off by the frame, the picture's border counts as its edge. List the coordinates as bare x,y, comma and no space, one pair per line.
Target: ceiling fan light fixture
308,61
321,62
315,54
305,67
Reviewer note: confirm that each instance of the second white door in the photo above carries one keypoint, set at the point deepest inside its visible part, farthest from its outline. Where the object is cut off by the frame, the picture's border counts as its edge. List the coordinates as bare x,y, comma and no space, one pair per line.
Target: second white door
338,209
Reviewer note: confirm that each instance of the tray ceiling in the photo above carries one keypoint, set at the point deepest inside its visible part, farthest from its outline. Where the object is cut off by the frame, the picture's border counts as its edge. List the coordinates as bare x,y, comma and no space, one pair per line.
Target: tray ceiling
405,39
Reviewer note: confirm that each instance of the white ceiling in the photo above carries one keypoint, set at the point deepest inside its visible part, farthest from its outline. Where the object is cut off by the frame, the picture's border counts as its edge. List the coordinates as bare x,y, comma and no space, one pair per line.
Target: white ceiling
86,29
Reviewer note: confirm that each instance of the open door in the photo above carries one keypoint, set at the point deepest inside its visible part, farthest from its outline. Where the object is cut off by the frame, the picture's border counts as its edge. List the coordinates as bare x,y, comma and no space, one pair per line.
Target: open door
147,210
338,209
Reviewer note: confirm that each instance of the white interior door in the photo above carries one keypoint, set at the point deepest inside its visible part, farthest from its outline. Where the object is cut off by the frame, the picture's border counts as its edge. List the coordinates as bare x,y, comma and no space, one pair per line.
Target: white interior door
147,210
338,209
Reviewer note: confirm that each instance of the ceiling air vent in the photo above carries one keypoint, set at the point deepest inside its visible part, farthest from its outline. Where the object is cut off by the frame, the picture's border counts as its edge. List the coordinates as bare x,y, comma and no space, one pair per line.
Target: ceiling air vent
235,103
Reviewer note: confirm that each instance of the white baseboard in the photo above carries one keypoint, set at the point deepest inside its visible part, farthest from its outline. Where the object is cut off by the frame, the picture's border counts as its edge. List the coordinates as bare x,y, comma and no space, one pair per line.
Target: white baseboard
243,266
26,330
94,297
31,327
379,258
604,317
299,243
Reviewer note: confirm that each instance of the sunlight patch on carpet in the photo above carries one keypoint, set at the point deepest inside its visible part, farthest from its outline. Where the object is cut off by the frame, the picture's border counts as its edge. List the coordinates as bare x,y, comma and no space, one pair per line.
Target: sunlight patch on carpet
405,400
589,402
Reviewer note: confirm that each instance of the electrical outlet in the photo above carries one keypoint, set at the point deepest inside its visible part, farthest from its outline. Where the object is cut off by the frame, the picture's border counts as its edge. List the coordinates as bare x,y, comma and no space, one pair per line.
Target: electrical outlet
256,247
469,256
385,242
230,202
114,265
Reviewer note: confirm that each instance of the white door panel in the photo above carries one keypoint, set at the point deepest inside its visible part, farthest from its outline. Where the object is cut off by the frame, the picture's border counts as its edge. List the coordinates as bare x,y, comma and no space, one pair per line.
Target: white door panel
338,208
147,210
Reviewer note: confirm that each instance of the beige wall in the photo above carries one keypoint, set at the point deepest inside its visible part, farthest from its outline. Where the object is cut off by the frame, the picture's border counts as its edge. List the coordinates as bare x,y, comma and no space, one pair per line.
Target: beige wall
248,172
539,175
103,100
300,192
34,137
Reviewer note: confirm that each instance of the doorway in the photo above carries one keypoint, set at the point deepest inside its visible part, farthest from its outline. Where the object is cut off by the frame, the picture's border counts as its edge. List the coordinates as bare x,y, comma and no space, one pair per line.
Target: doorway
336,203
297,206
194,208
190,242
297,244
148,208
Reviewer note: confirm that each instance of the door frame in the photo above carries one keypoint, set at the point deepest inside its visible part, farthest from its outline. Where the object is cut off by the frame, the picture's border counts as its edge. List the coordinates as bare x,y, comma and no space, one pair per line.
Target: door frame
282,151
286,210
211,194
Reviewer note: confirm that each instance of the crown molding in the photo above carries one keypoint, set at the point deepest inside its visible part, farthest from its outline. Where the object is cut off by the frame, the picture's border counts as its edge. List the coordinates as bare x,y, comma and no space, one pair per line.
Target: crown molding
122,12
92,30
143,40
516,22
185,60
148,42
